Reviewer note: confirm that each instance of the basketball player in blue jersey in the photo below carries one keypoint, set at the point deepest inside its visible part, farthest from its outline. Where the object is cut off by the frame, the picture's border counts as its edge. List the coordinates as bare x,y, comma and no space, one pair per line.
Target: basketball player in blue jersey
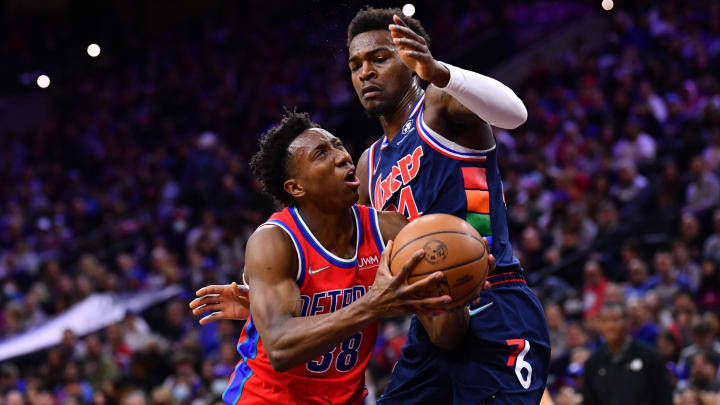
439,155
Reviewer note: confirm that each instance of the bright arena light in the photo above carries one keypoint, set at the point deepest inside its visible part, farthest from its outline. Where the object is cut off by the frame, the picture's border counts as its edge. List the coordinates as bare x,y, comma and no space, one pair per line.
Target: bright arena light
607,5
408,10
43,81
93,50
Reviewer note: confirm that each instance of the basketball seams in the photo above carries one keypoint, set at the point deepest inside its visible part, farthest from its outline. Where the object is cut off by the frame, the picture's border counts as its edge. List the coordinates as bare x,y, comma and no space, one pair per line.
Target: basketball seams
446,268
394,254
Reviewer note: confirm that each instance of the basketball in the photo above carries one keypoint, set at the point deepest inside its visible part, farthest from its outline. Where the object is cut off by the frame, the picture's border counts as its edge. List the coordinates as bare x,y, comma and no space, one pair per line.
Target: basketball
452,246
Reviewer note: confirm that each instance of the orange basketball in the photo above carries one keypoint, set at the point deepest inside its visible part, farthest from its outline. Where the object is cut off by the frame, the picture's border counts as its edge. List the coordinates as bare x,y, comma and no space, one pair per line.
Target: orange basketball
452,246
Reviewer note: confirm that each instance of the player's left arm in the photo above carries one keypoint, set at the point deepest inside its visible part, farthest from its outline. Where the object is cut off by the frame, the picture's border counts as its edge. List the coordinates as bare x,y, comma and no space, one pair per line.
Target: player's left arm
445,329
456,95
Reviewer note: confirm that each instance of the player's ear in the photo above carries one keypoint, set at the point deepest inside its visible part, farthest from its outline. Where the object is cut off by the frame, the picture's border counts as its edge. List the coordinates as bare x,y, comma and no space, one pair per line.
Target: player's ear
294,188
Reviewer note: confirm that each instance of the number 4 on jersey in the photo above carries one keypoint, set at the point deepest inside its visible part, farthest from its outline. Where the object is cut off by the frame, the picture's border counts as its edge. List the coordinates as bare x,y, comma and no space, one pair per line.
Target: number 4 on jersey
523,346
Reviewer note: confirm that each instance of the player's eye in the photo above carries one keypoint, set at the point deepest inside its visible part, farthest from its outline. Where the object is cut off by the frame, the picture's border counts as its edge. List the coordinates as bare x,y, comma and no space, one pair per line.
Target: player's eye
380,59
354,68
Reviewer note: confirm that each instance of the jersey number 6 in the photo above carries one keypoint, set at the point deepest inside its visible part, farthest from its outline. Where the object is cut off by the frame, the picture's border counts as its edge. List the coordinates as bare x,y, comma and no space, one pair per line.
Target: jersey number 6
523,346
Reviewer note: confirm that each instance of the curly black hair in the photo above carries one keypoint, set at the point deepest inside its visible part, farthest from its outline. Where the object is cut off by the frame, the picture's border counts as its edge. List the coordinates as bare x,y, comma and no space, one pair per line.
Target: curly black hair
370,19
270,163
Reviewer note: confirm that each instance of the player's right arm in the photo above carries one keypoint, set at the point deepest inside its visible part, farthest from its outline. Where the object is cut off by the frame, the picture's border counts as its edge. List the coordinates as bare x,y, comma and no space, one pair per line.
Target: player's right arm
291,339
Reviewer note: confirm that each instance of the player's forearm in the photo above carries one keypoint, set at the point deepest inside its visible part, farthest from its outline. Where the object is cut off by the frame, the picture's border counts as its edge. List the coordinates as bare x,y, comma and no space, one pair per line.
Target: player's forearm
489,99
297,340
446,330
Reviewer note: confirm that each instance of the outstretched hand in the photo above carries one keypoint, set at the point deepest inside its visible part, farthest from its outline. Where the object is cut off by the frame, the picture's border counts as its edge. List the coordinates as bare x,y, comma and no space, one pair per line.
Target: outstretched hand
415,54
392,295
229,301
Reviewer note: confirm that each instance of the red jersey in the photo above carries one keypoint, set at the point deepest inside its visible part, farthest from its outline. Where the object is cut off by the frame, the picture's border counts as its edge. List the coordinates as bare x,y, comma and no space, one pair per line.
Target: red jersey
327,283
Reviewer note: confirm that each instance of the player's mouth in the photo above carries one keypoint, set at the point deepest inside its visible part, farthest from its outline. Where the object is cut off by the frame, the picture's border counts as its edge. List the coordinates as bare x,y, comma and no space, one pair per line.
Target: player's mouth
351,179
371,91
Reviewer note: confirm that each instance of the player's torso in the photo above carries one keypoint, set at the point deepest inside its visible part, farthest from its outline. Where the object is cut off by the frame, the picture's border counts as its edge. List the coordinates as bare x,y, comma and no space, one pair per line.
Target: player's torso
327,283
420,172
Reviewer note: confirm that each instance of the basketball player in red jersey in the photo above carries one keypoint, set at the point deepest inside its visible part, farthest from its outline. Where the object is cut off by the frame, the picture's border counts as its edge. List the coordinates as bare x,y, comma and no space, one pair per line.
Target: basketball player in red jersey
310,267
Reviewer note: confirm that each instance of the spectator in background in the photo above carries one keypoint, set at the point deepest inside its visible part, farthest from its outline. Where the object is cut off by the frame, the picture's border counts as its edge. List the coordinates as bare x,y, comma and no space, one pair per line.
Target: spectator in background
703,190
624,371
711,248
703,374
704,341
684,265
709,290
98,366
593,289
666,281
632,191
636,146
640,323
638,283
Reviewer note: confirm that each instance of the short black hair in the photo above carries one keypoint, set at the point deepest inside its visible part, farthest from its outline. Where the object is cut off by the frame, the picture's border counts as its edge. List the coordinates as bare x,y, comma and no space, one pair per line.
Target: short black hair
371,19
270,163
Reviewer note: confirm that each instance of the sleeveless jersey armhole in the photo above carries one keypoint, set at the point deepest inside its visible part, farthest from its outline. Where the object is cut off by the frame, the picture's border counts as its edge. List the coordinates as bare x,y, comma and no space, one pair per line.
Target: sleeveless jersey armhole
300,278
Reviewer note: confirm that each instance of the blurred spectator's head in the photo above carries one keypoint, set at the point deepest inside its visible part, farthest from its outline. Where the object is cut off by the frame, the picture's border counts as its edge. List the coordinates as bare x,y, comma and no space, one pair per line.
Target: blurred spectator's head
14,397
9,375
638,272
668,347
134,398
638,315
593,273
662,262
554,316
576,336
702,333
703,369
613,323
689,227
697,166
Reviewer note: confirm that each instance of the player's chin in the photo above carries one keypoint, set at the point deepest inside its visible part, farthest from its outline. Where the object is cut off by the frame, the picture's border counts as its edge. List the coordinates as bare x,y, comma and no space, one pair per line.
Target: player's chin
376,108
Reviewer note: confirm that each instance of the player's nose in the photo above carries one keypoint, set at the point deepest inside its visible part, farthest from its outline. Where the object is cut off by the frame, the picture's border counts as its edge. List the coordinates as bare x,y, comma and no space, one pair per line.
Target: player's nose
367,71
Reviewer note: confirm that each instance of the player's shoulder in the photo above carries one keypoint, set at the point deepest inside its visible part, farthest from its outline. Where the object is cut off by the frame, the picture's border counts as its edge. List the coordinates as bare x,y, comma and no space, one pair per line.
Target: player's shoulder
270,249
390,223
270,237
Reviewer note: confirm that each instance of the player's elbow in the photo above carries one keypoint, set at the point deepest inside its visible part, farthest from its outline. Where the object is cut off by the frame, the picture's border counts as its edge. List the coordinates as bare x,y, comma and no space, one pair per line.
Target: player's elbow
447,341
279,360
518,117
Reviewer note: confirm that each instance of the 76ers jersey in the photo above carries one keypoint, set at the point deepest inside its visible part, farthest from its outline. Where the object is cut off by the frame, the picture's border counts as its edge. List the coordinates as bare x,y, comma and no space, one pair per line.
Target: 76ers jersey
420,172
327,283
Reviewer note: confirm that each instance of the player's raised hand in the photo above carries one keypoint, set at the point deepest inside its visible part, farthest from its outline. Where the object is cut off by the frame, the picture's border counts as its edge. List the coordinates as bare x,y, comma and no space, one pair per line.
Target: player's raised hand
229,301
392,295
415,54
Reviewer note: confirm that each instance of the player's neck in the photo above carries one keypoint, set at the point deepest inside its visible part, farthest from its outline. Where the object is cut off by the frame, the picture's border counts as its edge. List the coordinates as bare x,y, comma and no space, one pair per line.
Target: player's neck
392,122
334,230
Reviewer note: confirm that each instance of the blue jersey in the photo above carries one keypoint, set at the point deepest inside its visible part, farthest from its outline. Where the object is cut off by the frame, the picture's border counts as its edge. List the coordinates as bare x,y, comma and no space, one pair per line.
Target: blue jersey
420,172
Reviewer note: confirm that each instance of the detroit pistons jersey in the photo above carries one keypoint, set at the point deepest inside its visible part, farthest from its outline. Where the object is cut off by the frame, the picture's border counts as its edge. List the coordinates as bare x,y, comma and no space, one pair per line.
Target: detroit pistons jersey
327,283
420,172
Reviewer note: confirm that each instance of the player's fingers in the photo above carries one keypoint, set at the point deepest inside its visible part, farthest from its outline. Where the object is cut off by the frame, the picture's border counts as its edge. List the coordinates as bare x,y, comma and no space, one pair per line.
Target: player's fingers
410,44
487,285
207,308
210,318
210,289
409,265
431,303
240,291
204,300
491,264
418,286
400,31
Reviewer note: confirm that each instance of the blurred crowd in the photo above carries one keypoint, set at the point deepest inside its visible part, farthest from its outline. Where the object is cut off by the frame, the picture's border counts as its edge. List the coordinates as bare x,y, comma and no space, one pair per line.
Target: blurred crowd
139,180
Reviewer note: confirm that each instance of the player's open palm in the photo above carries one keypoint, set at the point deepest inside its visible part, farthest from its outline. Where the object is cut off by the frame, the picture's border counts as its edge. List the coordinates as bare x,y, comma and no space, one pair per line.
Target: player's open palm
413,50
229,301
391,295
